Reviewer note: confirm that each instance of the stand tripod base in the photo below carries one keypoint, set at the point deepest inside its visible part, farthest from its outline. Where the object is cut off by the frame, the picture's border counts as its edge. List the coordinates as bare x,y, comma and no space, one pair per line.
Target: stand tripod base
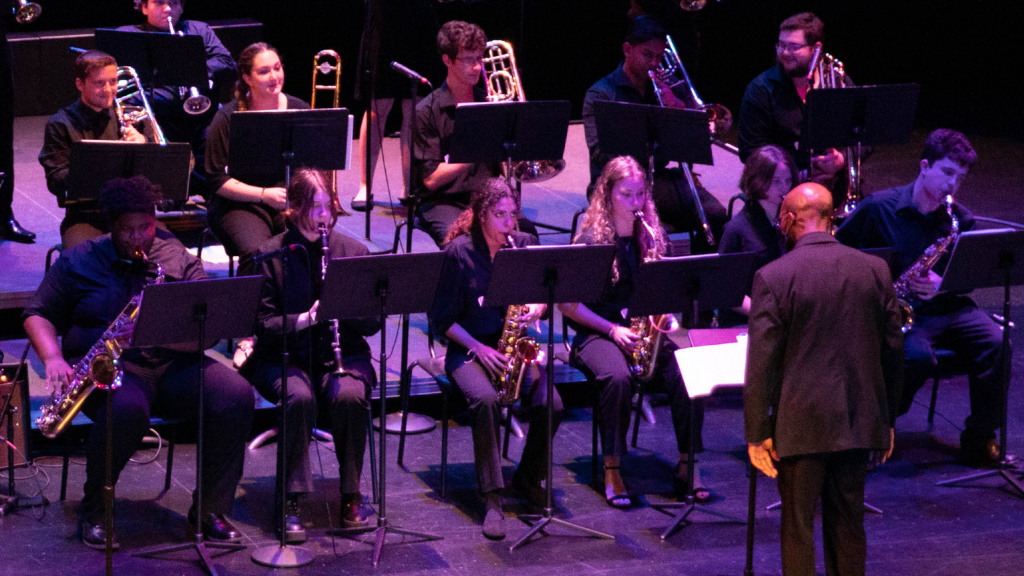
546,519
380,532
687,508
277,556
200,546
867,507
415,423
1006,469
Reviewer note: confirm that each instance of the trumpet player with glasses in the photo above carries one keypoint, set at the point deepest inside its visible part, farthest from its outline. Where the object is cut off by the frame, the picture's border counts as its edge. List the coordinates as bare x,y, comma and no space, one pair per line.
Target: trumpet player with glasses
635,82
91,117
607,346
329,362
909,219
474,360
80,296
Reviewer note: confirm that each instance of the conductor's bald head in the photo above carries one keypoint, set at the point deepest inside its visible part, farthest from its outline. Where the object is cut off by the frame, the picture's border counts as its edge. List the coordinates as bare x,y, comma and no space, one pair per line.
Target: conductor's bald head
807,208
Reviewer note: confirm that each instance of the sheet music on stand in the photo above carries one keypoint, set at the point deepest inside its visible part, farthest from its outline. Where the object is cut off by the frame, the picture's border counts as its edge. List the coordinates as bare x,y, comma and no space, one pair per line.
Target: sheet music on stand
706,368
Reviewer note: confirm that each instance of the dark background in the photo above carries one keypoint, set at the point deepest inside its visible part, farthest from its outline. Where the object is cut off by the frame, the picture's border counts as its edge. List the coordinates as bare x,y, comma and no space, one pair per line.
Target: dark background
964,53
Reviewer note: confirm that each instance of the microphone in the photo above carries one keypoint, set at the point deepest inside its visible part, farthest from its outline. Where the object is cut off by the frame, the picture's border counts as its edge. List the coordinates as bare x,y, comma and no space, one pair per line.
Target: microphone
267,255
409,73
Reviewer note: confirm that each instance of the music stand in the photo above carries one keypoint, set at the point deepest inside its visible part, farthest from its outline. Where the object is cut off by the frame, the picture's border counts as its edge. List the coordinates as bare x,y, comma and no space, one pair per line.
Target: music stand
266,145
96,162
644,131
200,312
986,259
551,274
487,132
159,58
378,286
856,117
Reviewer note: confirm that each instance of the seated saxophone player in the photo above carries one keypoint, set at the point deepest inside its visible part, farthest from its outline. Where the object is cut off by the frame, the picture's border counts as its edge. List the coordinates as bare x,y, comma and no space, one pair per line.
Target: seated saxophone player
643,50
91,117
343,392
168,101
474,330
444,187
605,342
772,110
908,219
767,177
81,294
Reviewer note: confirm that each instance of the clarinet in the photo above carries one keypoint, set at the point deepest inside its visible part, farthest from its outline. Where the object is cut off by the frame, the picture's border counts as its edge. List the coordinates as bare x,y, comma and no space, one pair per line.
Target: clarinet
325,257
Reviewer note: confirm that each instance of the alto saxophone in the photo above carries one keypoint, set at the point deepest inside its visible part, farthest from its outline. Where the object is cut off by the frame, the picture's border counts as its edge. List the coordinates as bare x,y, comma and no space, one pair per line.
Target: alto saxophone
335,341
520,349
650,329
100,368
920,268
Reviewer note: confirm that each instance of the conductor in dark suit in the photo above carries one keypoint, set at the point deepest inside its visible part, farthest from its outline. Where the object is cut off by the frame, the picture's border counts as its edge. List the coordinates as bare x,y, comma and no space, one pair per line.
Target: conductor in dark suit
824,372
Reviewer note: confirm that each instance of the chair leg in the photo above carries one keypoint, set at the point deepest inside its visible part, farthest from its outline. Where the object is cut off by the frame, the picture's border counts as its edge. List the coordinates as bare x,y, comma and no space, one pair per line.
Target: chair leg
638,416
444,446
508,432
64,469
373,452
404,393
595,464
170,456
935,396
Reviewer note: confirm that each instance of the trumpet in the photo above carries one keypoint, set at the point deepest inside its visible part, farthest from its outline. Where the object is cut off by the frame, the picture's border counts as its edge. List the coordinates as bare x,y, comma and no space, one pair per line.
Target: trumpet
27,11
196,103
128,87
503,85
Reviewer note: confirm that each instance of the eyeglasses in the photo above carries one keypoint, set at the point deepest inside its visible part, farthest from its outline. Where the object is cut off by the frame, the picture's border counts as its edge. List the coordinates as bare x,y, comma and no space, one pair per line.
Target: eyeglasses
470,59
789,47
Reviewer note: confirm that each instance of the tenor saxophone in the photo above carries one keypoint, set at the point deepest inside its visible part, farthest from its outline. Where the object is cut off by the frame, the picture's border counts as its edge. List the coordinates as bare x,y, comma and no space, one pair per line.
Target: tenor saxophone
651,330
520,349
920,268
100,368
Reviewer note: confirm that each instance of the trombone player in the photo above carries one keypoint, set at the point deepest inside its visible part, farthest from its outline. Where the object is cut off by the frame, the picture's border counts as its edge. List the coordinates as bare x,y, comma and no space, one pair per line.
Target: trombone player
91,117
633,82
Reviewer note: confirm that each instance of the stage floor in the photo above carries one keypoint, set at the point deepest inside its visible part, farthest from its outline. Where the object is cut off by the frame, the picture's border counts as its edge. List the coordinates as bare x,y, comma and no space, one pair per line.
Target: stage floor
924,529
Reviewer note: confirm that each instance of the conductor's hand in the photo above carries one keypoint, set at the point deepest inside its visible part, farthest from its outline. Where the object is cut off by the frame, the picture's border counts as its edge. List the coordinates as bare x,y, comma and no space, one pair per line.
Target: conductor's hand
276,198
926,287
830,162
880,456
532,313
58,373
133,135
625,338
761,456
493,361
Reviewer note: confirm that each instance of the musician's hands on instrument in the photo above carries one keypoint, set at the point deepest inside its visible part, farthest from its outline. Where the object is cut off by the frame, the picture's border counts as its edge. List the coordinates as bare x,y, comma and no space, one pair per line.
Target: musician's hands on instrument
878,456
307,319
58,373
926,287
533,313
761,456
668,98
133,135
275,197
830,162
624,338
494,362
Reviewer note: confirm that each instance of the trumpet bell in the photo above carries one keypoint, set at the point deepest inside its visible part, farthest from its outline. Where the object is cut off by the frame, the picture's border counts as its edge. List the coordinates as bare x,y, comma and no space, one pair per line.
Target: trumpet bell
27,12
197,104
719,117
692,5
533,172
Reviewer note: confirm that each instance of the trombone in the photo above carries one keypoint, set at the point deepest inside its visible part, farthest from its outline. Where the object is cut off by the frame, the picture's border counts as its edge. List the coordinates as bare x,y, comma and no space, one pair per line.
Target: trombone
128,87
322,68
826,71
196,103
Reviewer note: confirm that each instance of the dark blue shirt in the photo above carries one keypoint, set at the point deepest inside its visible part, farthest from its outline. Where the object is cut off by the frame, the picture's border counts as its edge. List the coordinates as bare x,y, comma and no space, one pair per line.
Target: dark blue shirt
751,230
617,292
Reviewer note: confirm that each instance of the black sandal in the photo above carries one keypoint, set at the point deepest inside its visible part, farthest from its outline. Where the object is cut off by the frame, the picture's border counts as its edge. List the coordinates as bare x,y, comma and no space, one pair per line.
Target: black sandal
620,501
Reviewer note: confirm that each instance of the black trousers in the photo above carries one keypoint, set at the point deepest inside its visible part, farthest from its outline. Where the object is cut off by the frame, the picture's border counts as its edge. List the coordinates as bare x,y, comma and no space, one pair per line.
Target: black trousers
243,228
6,127
838,479
677,208
347,399
473,381
977,339
604,363
174,387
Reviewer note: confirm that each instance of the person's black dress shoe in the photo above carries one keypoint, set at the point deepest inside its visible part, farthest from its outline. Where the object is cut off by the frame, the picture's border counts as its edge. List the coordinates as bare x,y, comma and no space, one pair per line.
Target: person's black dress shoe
11,230
979,453
353,513
95,535
294,532
359,205
216,527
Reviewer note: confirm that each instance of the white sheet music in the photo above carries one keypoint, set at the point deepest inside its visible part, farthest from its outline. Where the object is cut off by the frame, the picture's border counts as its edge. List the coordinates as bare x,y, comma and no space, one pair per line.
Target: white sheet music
705,368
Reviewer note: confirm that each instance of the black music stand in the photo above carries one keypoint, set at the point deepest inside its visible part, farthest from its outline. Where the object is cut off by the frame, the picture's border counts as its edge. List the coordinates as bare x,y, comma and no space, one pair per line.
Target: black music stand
644,131
200,312
986,259
487,132
269,144
159,58
96,162
857,117
378,286
699,283
550,274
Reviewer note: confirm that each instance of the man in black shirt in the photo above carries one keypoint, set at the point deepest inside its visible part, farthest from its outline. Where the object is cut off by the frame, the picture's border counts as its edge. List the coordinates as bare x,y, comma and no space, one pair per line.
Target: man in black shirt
643,49
80,296
909,219
10,229
772,111
91,117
